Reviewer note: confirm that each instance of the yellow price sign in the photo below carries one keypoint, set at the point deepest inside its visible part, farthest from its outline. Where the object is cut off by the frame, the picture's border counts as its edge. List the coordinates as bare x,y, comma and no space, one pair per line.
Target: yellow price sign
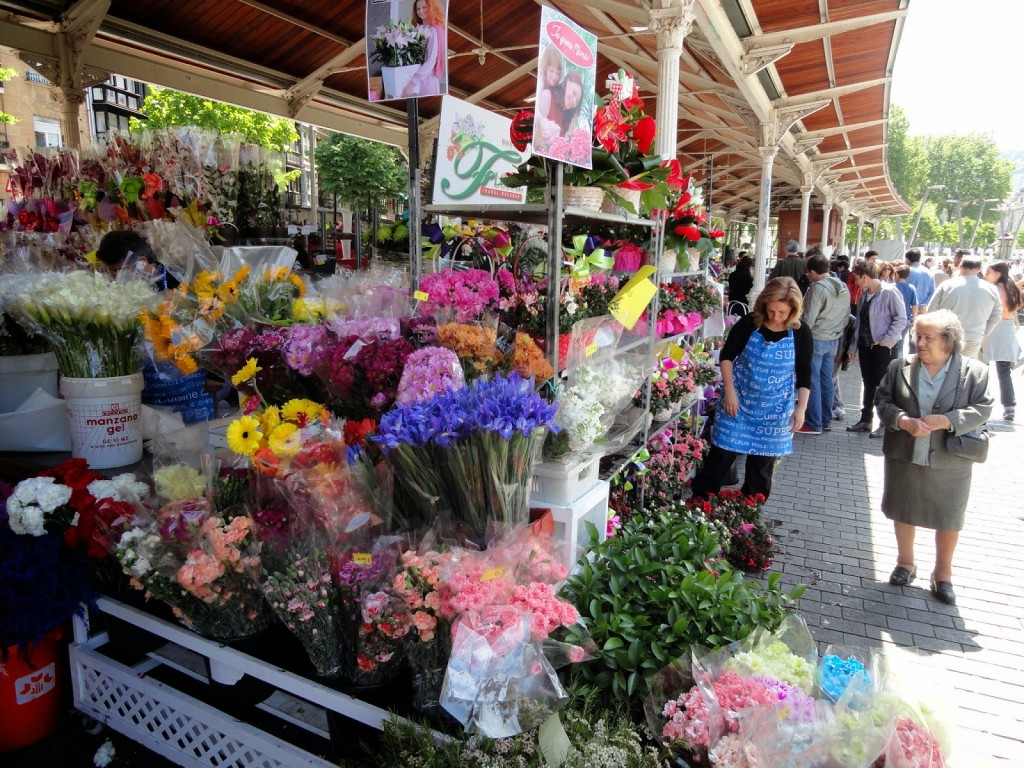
676,352
421,295
492,573
362,558
591,349
632,299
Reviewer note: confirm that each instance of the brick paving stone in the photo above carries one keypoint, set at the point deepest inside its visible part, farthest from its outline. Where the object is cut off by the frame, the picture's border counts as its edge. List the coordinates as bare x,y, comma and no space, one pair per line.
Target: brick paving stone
832,534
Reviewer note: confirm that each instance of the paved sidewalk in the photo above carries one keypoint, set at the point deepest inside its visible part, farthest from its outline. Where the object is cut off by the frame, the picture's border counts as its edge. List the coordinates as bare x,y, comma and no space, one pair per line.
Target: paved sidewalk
832,535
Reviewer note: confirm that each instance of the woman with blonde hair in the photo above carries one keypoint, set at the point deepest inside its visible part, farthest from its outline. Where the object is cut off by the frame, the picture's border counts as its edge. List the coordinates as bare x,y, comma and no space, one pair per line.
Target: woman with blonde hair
429,14
766,356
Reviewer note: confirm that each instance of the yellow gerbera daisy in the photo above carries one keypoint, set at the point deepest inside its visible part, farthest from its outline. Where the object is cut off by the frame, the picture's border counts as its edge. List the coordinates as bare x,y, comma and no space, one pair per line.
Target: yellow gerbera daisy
244,436
300,410
285,440
247,372
271,418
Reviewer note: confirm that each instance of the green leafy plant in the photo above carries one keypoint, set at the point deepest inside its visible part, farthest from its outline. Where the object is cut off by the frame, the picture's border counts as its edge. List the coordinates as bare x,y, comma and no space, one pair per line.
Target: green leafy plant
398,44
656,588
599,734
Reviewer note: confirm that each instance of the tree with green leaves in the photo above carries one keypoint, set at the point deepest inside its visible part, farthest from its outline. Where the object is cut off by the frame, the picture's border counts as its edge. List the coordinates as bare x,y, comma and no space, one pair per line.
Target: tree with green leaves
7,73
165,108
908,158
970,168
359,171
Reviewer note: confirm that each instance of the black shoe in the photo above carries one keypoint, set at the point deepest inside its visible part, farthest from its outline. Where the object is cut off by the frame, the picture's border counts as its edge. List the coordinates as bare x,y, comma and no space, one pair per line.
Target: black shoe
944,591
901,577
860,426
880,432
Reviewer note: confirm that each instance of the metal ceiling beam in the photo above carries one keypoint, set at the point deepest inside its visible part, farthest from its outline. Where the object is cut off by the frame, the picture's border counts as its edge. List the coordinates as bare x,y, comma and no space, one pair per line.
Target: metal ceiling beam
302,23
845,153
842,129
833,93
828,29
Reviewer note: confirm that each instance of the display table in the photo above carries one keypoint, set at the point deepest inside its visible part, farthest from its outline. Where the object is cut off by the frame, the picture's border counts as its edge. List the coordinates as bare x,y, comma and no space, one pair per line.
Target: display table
144,700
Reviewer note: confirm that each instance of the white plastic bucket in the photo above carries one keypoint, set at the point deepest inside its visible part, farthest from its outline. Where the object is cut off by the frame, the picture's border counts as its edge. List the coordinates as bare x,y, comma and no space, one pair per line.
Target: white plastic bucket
21,375
103,418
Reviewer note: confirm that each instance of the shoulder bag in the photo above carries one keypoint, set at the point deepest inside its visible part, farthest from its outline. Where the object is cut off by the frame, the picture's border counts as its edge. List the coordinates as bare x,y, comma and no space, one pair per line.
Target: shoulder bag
972,445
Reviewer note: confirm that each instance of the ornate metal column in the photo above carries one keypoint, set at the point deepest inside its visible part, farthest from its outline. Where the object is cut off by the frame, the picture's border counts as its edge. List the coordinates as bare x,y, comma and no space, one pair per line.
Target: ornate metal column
805,211
767,154
860,232
826,215
671,22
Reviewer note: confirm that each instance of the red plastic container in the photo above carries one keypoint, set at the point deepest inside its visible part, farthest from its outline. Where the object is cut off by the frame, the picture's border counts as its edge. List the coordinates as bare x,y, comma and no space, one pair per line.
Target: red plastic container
30,692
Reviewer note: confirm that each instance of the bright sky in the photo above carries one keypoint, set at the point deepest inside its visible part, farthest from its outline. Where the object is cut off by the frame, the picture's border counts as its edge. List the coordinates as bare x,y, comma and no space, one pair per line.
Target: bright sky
959,69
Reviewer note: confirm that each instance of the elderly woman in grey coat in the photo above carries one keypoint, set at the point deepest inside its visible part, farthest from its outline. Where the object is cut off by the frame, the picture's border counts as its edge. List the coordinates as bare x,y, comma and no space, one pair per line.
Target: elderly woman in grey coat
922,399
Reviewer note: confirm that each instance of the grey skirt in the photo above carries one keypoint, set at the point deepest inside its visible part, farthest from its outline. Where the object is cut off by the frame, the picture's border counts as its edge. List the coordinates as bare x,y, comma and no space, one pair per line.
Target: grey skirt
926,497
1001,345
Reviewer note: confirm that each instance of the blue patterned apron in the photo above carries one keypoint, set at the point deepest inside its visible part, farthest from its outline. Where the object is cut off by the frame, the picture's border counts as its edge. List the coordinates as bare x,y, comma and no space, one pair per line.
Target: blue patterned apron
764,379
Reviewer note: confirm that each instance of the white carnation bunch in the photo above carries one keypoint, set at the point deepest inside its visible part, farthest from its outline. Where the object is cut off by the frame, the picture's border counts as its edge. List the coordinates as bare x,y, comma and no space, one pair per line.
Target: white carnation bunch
32,501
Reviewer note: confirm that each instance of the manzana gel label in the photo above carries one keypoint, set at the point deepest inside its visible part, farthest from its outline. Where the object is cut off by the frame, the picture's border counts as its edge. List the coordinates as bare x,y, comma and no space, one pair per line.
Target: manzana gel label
114,420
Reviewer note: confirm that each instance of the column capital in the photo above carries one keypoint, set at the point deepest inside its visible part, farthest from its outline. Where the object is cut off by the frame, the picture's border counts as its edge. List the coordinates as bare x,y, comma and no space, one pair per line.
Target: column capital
768,152
671,24
806,189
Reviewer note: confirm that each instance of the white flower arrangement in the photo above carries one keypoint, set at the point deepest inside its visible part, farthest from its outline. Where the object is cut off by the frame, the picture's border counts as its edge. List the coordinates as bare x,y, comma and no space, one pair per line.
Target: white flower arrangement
135,549
91,323
32,502
124,487
104,755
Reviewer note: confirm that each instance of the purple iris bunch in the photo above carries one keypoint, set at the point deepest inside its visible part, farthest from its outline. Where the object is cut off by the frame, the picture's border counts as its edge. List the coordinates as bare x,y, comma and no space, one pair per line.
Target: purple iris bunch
467,454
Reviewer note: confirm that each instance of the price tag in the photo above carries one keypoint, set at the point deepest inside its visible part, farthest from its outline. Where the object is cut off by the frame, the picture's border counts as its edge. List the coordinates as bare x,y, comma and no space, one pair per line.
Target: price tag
421,295
492,573
631,301
591,349
362,558
676,352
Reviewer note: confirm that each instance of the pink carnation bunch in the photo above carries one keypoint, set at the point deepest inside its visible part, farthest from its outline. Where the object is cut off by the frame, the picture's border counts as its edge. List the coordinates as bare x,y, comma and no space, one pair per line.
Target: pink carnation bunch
470,293
429,372
547,611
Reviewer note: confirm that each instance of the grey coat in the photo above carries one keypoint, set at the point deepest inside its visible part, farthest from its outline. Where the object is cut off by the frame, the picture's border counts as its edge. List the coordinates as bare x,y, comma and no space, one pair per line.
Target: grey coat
896,397
934,496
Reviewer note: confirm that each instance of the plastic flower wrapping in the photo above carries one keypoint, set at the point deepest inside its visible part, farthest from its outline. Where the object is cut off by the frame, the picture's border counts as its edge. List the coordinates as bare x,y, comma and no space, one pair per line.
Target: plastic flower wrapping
507,640
90,322
465,453
470,294
768,702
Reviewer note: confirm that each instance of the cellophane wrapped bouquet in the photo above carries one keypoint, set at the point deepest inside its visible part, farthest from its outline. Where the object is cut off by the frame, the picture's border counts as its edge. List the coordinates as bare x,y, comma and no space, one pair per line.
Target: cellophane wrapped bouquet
91,323
768,702
509,635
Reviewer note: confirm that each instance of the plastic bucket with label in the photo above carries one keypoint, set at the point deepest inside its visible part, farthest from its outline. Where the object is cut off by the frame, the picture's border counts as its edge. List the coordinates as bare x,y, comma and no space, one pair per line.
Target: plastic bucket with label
30,691
103,419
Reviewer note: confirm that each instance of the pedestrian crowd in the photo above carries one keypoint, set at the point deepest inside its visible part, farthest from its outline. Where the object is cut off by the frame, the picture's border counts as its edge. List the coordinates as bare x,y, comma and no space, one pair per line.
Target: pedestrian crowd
923,341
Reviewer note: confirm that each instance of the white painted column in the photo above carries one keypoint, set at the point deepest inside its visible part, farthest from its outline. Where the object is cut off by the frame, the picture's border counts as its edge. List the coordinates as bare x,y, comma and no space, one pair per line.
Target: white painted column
763,215
670,26
841,247
805,214
860,232
826,215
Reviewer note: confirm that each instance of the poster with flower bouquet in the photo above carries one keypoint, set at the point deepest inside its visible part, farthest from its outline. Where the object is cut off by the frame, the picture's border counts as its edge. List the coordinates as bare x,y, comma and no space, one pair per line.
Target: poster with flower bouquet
406,49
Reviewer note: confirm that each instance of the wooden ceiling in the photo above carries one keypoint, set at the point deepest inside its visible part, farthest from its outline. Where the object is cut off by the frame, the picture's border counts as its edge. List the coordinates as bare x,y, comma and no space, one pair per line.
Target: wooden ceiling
305,58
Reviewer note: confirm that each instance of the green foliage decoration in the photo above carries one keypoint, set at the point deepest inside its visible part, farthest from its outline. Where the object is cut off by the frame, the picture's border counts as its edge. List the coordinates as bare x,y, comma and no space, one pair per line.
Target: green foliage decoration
656,588
7,73
164,108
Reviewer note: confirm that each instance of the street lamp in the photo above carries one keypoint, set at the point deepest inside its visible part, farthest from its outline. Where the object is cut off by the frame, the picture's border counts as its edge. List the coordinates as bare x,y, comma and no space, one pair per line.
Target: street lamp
977,224
959,224
920,210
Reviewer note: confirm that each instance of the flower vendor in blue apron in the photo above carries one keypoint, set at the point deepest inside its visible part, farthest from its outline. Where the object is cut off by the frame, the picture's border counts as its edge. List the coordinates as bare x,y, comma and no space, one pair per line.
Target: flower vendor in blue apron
766,356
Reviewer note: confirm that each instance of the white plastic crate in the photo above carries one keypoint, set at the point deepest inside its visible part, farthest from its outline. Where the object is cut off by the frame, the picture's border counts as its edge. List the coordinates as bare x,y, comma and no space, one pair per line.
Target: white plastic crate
569,520
182,729
563,484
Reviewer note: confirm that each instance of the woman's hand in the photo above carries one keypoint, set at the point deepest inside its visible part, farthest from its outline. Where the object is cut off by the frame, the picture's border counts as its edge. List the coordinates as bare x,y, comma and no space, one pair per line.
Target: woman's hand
937,421
731,403
797,419
916,427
